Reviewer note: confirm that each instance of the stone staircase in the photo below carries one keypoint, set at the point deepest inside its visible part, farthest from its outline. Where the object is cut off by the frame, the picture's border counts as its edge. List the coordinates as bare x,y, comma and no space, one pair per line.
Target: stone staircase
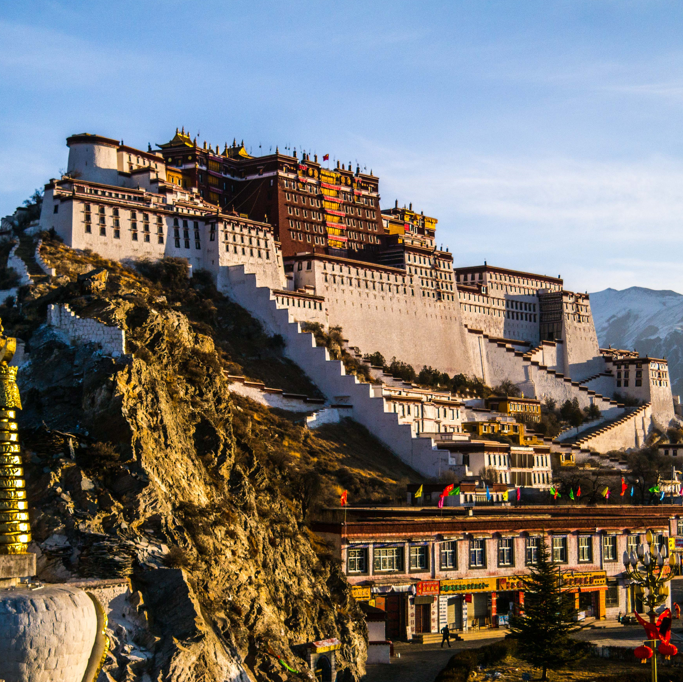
342,391
539,380
610,436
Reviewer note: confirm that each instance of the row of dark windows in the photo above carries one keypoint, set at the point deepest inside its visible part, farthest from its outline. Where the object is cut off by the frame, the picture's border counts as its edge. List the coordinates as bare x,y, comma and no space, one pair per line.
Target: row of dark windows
392,559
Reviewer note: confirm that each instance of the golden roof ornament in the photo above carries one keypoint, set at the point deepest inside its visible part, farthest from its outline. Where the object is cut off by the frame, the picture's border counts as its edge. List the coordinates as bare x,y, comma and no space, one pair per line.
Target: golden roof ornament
15,531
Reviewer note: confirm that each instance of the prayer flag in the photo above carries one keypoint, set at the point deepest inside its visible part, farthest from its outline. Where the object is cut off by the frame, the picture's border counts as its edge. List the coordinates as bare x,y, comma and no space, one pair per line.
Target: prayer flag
343,498
326,157
488,494
624,487
505,496
578,492
662,495
419,492
440,501
455,491
571,493
554,492
632,491
447,490
519,494
605,492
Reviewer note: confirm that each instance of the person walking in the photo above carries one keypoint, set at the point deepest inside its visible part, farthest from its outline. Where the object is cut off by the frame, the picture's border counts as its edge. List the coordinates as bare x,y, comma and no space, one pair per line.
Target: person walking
446,636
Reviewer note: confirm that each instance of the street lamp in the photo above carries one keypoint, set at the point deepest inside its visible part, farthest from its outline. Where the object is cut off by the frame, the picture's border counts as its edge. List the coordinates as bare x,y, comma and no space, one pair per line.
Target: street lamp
650,567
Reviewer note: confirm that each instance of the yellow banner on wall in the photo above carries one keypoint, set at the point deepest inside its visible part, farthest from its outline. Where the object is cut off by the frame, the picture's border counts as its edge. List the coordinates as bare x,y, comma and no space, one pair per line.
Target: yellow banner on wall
360,593
466,585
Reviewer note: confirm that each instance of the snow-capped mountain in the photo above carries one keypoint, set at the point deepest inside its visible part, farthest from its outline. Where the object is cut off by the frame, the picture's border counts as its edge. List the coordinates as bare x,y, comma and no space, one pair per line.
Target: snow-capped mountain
648,321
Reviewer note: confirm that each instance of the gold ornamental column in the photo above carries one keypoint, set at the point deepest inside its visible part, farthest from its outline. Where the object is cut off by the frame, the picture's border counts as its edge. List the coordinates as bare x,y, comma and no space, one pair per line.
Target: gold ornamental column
15,531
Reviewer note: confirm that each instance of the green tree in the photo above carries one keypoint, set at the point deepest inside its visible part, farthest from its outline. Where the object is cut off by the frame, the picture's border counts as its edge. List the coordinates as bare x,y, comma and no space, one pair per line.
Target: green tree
508,388
543,630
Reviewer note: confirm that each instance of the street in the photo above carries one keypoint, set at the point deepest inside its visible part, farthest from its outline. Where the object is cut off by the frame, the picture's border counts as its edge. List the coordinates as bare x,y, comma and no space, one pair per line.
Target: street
418,662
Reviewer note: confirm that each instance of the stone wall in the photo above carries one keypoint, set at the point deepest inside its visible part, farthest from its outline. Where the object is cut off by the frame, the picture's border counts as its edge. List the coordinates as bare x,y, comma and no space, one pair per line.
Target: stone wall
273,397
41,263
390,314
13,261
626,433
112,340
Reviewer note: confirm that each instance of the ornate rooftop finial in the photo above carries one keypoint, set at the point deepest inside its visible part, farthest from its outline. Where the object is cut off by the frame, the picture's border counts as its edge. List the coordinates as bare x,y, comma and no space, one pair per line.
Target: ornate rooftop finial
15,531
183,131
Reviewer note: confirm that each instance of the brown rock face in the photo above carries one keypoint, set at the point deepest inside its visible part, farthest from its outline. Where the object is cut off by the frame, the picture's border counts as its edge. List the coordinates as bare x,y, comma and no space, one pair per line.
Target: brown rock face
134,470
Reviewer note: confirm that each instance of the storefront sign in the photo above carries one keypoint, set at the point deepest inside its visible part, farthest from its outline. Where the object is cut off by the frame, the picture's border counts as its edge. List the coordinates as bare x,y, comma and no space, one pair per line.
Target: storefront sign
427,587
361,593
592,579
467,585
510,584
676,543
569,580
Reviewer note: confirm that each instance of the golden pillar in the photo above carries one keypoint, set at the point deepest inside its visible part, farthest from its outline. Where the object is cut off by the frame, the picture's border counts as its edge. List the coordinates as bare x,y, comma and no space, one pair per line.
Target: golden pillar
15,531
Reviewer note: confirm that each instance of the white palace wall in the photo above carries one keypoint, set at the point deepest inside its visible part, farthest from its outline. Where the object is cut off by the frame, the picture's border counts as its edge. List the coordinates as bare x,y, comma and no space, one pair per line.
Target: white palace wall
398,320
582,351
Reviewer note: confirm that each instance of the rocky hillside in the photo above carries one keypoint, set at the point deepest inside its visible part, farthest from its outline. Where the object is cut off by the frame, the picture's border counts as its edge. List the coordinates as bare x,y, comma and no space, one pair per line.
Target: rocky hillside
147,466
648,321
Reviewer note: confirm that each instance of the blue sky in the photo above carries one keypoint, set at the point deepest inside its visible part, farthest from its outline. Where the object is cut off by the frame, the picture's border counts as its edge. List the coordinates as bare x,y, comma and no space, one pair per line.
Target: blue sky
545,136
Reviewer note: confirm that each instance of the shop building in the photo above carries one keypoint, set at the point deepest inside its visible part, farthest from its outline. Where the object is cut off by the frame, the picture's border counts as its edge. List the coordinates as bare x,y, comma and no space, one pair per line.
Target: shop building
427,567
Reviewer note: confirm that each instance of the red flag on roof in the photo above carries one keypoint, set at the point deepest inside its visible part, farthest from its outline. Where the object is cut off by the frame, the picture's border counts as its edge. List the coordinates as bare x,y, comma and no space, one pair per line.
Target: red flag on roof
326,157
624,486
344,497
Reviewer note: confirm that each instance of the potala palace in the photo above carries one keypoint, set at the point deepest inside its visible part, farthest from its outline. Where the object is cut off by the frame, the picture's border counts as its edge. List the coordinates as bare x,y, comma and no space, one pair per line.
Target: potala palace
293,241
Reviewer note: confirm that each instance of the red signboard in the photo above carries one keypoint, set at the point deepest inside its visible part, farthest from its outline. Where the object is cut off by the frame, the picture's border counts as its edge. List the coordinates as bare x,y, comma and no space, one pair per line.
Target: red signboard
428,588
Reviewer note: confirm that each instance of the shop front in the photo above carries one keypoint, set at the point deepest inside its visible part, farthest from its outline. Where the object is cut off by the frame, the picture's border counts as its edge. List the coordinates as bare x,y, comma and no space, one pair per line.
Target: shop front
468,603
590,590
423,608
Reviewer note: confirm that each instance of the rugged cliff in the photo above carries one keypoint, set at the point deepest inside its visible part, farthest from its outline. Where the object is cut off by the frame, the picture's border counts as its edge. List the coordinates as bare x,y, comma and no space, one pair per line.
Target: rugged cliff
146,466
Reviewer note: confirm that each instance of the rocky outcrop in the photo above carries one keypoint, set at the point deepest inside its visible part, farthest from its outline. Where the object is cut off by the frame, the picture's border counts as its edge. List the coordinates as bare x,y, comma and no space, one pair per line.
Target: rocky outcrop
134,471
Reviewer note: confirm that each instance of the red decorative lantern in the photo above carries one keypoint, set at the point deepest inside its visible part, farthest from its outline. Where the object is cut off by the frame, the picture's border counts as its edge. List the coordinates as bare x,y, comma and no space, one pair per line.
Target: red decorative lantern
643,653
667,650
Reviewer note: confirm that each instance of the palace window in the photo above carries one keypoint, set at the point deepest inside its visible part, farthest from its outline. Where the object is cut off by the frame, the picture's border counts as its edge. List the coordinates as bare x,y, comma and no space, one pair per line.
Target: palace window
585,549
609,547
117,234
357,561
505,552
632,544
103,231
560,550
388,559
134,236
477,553
419,558
147,238
187,243
449,555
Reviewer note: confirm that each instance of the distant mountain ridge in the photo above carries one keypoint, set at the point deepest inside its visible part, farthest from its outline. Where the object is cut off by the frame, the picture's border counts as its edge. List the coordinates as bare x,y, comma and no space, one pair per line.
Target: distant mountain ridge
646,320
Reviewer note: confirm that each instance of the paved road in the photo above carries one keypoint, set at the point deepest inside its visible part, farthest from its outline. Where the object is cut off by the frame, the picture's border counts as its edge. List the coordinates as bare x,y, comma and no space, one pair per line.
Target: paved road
418,663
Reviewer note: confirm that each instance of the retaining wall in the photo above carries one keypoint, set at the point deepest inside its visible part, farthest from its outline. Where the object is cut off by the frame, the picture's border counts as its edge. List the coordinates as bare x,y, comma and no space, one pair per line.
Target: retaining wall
84,330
